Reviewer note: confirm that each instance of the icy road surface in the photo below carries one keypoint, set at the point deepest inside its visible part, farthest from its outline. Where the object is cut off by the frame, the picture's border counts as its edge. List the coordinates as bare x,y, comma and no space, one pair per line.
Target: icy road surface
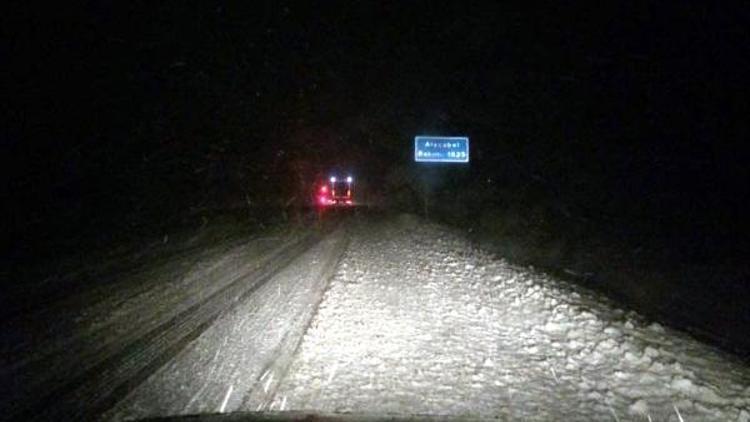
238,361
69,360
400,317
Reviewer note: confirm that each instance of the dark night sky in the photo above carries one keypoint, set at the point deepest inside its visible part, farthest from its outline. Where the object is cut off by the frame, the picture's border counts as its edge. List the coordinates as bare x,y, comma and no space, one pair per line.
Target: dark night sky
617,106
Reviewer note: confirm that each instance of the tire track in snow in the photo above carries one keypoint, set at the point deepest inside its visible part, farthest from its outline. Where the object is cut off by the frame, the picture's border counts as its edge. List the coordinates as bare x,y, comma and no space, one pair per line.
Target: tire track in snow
98,387
244,349
264,400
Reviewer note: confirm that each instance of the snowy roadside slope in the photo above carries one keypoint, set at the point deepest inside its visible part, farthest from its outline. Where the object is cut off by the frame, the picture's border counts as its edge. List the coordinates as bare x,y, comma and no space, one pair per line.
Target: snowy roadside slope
415,322
240,358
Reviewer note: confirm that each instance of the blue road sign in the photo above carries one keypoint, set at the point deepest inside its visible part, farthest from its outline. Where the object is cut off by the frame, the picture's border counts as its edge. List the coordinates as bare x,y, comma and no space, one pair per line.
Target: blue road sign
441,149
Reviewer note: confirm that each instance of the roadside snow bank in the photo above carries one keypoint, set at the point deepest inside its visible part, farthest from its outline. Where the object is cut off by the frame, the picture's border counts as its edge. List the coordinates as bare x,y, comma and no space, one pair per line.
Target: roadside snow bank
416,322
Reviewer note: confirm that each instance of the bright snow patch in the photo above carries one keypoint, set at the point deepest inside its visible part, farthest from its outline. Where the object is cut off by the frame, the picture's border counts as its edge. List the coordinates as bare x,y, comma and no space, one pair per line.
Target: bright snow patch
425,332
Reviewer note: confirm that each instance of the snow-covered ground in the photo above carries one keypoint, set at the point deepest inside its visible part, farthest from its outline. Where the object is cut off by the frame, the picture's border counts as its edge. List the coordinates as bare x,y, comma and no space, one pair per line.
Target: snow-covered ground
415,322
384,316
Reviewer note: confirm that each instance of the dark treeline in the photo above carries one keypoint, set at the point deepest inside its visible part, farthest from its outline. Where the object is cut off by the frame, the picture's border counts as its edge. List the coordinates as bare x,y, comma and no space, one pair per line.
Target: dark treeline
139,113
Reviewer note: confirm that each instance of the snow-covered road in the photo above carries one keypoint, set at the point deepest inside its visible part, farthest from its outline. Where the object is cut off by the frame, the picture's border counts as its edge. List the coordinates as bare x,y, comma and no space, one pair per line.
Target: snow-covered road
238,361
73,358
380,317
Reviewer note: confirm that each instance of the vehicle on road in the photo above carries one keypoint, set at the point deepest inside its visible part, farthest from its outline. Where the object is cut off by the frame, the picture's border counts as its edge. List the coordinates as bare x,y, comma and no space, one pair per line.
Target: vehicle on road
336,192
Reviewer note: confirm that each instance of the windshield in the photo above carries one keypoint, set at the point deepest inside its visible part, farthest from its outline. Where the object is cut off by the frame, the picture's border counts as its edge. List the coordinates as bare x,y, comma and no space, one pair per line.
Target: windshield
375,210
